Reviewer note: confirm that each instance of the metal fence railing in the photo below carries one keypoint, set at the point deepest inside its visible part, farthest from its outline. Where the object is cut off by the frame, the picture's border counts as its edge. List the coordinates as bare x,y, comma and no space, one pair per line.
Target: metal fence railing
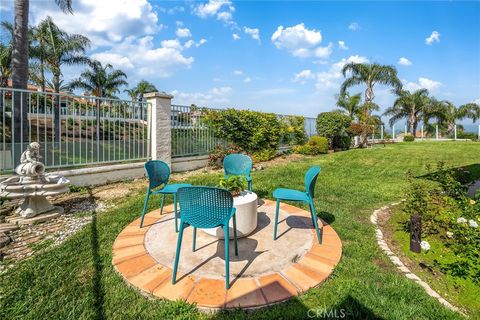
72,130
190,135
427,132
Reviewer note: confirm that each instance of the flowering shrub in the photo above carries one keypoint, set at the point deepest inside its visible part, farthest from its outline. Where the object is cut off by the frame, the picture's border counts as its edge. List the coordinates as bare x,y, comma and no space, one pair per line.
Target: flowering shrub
215,158
450,215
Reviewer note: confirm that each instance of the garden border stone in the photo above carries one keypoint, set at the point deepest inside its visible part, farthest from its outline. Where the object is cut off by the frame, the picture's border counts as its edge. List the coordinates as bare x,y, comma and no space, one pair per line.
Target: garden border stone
400,265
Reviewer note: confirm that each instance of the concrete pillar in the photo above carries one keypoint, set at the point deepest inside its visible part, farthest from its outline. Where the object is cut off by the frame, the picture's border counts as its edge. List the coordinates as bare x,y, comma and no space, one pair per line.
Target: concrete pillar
159,121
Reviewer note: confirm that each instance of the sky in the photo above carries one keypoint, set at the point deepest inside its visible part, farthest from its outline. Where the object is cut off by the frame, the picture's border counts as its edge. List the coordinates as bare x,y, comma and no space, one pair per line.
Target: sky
277,56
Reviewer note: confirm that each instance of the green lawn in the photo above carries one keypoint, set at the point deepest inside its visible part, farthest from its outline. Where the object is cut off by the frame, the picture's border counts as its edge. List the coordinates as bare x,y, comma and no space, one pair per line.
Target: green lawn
77,281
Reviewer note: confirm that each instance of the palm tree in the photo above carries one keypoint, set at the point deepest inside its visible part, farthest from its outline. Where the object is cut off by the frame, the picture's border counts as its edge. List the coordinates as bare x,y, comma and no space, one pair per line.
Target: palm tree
350,104
411,106
61,48
447,113
100,81
144,87
369,74
20,57
136,93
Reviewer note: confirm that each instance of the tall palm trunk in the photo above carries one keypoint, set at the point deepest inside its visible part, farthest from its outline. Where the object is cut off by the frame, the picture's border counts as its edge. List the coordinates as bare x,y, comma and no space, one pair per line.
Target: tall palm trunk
20,70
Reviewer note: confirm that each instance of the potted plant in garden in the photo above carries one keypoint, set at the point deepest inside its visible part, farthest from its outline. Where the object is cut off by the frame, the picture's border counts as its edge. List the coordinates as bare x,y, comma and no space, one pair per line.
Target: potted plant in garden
234,184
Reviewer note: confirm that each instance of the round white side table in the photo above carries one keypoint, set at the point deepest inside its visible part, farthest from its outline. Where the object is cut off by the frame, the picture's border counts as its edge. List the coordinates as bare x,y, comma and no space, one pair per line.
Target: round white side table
246,215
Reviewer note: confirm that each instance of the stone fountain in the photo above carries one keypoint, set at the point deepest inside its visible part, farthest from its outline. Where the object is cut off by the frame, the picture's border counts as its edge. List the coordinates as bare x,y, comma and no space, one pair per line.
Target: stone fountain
32,184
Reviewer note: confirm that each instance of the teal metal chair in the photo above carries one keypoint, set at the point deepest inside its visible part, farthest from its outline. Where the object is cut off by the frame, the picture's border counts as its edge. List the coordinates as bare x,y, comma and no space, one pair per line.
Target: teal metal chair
239,165
206,207
158,173
301,196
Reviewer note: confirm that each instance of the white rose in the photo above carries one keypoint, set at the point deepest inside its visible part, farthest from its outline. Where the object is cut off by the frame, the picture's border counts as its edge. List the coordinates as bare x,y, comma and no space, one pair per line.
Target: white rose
425,245
461,220
473,223
449,234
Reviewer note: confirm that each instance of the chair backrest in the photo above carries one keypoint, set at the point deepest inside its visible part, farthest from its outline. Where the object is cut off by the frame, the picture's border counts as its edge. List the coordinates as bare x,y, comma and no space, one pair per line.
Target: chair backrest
204,207
310,179
237,164
158,173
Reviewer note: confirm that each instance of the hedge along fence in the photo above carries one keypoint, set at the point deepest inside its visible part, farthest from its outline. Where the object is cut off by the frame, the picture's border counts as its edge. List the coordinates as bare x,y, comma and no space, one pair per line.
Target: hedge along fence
258,133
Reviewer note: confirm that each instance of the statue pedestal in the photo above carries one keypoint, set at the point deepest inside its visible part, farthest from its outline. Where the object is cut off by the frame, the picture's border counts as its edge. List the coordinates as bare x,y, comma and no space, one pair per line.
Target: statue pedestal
18,220
33,206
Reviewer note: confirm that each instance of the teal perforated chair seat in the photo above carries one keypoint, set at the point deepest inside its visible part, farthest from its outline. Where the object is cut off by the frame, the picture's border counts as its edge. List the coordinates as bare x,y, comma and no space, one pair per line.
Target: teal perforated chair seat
171,188
158,173
206,207
289,194
301,196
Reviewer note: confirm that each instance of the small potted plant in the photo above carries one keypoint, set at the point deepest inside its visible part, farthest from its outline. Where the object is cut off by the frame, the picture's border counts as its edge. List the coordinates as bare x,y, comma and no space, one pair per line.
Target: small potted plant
234,184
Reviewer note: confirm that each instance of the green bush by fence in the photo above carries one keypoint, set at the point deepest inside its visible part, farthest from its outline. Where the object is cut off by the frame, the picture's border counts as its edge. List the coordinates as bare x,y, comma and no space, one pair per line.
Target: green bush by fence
333,125
250,130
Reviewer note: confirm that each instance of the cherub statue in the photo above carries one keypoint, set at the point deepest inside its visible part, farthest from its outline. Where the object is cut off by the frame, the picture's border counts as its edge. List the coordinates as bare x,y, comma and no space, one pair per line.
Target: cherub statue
32,154
30,164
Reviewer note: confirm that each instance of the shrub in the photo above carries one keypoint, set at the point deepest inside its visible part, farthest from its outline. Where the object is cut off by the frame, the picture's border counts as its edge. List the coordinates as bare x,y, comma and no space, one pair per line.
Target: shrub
316,145
449,215
466,135
250,130
333,125
264,155
292,130
408,138
215,158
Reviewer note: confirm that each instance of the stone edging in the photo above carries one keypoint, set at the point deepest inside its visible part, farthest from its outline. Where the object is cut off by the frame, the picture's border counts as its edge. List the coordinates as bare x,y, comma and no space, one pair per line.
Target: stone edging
400,265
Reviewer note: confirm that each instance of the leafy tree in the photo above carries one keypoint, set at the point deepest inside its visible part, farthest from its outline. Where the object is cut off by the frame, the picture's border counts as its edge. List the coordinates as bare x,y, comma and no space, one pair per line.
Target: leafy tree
350,104
369,75
411,106
20,56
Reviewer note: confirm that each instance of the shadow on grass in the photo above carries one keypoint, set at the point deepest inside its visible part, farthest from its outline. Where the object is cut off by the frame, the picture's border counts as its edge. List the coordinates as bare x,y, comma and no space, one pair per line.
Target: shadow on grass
348,308
98,291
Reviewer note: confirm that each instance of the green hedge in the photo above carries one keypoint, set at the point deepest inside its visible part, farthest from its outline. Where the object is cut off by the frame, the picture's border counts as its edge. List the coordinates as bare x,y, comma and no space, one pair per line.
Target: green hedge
250,130
333,125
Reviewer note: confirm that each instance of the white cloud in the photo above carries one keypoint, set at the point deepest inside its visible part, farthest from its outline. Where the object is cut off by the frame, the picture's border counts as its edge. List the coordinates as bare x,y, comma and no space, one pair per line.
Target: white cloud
332,78
211,98
221,9
105,22
423,83
173,10
236,36
253,32
303,76
434,37
247,80
354,26
301,42
404,62
342,45
183,33
145,59
190,43
476,101
238,72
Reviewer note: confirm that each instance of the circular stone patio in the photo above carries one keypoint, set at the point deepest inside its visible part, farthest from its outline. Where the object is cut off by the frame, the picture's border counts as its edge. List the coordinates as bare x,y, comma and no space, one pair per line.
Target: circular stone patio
265,271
